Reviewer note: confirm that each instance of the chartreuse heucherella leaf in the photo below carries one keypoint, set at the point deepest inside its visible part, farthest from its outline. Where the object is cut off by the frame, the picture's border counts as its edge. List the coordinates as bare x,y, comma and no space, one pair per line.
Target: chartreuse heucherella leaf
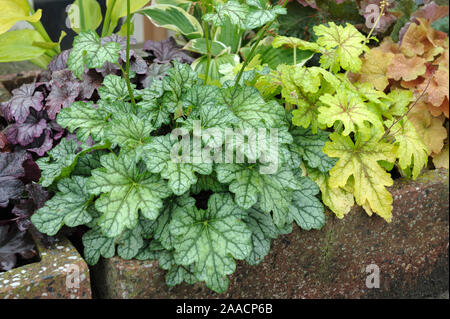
68,207
360,161
88,52
338,199
125,189
412,152
341,46
350,110
211,238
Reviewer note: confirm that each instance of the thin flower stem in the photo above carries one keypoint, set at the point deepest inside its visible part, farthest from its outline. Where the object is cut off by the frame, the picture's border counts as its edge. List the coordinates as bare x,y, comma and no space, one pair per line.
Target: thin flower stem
409,110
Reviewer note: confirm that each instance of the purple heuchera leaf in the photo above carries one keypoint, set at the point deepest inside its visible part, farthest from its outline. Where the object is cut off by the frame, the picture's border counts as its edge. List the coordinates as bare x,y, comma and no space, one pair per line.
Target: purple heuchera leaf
37,197
64,91
13,243
91,81
42,144
59,62
11,170
166,51
25,133
154,72
23,99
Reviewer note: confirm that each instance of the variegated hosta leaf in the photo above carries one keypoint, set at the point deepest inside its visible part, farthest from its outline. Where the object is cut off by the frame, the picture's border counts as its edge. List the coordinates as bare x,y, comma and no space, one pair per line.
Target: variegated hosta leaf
210,239
68,207
85,119
263,230
115,88
272,191
308,147
125,189
88,52
162,155
306,209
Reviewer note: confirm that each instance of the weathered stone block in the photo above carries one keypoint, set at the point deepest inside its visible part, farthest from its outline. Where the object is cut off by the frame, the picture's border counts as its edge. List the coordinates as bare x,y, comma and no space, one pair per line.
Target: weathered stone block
60,274
411,254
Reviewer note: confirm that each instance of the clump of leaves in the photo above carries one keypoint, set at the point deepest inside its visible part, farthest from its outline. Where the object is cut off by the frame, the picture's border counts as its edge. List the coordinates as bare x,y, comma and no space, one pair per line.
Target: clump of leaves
371,133
196,216
397,15
419,63
14,244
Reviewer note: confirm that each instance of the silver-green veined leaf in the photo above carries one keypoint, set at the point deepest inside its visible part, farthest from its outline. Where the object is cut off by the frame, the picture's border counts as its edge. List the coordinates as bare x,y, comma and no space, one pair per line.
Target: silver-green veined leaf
114,88
85,119
125,189
177,274
88,52
128,131
162,232
96,245
210,239
306,209
178,80
161,156
68,207
130,242
62,159
263,230
308,147
230,11
273,192
173,18
249,106
260,15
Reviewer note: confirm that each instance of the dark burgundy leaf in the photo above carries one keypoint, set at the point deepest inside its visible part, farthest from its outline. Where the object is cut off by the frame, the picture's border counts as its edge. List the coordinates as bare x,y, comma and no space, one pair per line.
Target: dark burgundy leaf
166,51
25,133
59,62
13,243
23,99
38,194
138,65
23,210
154,72
42,144
11,170
64,90
91,81
32,171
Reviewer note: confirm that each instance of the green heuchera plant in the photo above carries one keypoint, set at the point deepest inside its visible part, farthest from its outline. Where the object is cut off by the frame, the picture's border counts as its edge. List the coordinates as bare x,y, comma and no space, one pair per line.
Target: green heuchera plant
195,217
